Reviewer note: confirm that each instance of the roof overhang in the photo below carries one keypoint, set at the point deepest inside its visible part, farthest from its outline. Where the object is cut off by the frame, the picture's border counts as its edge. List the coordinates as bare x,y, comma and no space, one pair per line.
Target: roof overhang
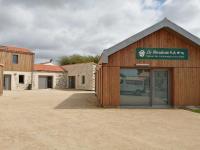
165,23
19,50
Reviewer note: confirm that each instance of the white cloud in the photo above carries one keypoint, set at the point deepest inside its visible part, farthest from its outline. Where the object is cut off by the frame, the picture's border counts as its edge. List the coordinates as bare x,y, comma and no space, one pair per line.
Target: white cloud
86,27
185,13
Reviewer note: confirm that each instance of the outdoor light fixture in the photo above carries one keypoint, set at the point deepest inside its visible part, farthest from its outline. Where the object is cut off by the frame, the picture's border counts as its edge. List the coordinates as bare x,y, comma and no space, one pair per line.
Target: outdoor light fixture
143,65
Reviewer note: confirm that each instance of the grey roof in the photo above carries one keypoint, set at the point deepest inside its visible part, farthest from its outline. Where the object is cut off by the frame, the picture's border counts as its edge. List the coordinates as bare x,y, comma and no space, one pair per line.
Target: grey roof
165,23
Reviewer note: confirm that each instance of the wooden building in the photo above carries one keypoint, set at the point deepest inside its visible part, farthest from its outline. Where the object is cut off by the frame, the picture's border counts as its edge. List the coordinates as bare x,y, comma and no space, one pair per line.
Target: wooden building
158,67
18,66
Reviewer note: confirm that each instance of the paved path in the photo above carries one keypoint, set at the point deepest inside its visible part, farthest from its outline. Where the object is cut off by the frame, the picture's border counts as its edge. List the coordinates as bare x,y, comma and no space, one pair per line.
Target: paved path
69,120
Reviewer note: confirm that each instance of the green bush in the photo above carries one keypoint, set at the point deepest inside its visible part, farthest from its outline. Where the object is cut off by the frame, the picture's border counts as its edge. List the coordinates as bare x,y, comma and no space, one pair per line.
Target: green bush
75,59
197,110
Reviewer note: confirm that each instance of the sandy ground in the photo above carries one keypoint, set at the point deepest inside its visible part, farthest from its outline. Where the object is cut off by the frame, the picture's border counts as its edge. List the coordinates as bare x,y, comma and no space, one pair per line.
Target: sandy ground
70,120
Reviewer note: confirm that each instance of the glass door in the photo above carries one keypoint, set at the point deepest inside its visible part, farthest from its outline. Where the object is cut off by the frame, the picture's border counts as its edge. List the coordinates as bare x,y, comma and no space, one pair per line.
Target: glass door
160,87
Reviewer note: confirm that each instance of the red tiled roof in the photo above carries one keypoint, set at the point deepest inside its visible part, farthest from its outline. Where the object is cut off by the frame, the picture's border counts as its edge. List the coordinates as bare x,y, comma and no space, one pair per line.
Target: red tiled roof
41,67
15,49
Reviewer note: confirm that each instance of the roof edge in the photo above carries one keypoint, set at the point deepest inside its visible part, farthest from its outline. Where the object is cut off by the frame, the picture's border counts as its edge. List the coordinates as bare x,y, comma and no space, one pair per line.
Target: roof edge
5,48
163,23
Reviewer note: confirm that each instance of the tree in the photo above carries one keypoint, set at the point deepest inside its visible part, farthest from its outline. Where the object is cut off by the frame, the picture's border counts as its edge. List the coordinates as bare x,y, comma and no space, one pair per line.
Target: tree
76,58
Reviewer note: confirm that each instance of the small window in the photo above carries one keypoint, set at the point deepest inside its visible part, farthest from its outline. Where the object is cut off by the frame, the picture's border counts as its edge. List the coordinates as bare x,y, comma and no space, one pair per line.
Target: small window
21,79
15,59
83,79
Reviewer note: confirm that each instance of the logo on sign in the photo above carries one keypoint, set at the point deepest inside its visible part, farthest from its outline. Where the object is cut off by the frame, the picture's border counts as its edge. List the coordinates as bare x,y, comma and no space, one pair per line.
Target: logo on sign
141,53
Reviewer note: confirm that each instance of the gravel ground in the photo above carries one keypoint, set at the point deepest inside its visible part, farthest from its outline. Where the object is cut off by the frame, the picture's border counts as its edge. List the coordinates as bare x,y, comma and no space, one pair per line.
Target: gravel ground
70,120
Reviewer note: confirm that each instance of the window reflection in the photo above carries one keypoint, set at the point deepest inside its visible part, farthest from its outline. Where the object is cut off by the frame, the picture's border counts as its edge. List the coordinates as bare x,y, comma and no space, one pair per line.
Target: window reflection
134,87
161,87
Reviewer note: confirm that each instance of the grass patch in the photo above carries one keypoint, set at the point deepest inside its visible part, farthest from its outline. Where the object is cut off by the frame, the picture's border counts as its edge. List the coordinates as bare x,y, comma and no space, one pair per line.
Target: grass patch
197,110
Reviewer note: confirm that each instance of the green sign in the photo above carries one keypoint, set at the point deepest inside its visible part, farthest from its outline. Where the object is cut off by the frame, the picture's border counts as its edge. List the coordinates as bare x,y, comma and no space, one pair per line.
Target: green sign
162,53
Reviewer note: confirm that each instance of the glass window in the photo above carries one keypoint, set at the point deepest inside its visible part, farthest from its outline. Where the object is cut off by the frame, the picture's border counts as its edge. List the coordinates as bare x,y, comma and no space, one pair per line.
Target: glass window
83,79
15,59
21,79
135,87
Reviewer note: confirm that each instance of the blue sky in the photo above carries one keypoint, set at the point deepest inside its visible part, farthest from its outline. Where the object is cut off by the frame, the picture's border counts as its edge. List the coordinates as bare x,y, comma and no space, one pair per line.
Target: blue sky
56,28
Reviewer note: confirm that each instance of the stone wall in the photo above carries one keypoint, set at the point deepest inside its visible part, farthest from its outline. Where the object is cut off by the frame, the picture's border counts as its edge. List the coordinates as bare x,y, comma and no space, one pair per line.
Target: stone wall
79,70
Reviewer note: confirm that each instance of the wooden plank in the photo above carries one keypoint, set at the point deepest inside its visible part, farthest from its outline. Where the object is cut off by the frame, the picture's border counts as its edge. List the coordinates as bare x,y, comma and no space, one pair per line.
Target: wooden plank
187,86
105,87
114,78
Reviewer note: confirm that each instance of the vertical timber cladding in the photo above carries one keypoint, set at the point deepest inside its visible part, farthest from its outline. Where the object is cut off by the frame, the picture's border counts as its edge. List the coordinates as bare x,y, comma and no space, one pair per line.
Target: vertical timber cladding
26,61
186,78
1,79
111,88
186,86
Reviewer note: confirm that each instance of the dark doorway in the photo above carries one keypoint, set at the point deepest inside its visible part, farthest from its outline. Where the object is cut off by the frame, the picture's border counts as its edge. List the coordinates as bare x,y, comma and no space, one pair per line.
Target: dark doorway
7,82
49,82
72,82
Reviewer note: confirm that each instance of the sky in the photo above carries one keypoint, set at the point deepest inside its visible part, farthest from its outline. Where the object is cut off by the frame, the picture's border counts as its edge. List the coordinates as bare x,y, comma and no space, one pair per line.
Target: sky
55,28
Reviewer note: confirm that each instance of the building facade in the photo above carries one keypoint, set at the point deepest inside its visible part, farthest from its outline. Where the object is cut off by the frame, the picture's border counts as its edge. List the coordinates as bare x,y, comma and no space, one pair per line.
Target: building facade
158,67
81,76
18,72
18,65
47,76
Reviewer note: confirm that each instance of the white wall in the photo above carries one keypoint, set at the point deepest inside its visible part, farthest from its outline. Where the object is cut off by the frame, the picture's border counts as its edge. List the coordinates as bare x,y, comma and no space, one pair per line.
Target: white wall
15,85
59,79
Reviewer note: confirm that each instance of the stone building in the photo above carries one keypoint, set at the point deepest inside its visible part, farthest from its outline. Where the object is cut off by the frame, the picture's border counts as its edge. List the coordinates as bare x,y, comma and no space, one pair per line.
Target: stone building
81,76
18,72
49,76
